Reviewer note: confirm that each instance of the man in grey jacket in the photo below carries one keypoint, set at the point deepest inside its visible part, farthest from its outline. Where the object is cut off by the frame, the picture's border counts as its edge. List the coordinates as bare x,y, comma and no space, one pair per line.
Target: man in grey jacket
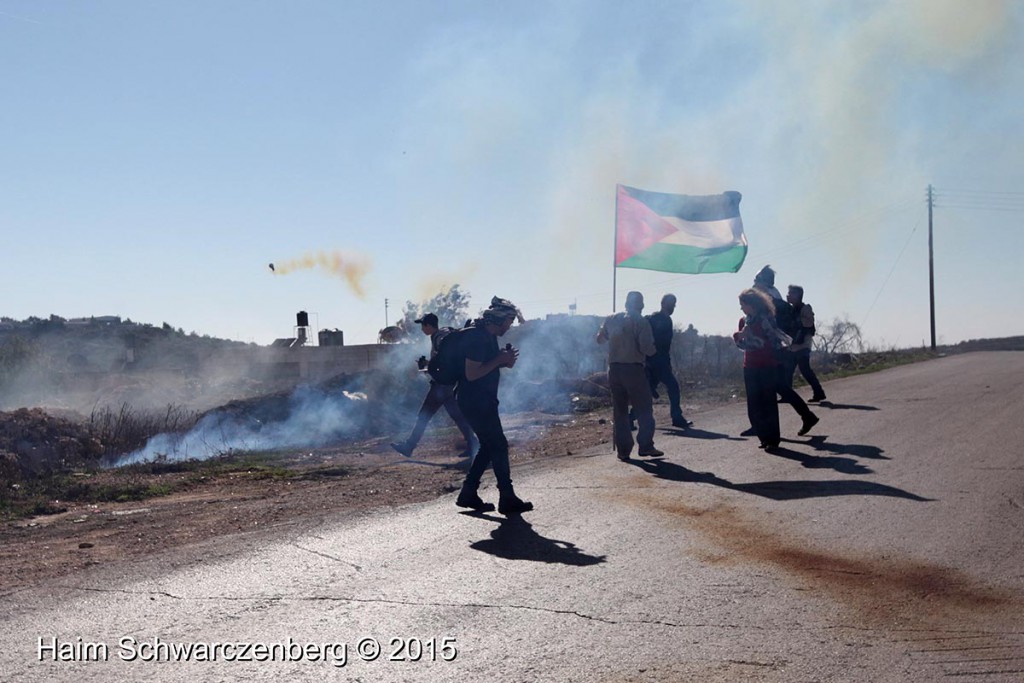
630,341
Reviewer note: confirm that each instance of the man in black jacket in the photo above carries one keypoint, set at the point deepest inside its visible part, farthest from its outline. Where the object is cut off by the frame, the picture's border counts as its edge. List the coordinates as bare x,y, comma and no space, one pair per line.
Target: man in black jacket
659,366
477,394
801,348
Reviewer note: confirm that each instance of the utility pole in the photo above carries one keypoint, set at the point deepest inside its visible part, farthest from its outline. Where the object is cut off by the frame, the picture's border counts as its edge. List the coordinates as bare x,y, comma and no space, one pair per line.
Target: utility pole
931,265
386,318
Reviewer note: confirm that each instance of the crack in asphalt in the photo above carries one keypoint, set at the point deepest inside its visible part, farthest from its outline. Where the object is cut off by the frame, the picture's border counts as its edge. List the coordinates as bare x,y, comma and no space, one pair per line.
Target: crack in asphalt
551,610
327,556
385,601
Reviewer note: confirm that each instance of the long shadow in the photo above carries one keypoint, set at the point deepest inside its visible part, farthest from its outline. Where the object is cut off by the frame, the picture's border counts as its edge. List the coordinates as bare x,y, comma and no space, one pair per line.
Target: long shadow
844,465
699,434
462,464
775,490
515,539
857,450
843,406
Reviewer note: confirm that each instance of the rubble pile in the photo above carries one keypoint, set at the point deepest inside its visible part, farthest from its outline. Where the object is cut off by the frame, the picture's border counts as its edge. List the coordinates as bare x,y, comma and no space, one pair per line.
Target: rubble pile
34,442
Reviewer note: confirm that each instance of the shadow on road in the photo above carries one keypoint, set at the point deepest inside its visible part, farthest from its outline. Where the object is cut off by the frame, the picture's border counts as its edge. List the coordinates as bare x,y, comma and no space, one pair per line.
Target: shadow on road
843,406
459,465
515,539
775,490
855,449
844,465
699,434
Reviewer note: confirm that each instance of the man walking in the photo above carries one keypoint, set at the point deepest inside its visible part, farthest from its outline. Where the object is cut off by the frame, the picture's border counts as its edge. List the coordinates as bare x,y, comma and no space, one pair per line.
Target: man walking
630,341
438,395
801,348
659,366
477,395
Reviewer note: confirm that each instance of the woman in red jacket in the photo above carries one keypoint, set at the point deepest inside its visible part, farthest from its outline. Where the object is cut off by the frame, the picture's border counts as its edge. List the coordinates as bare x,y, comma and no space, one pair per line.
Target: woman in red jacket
759,337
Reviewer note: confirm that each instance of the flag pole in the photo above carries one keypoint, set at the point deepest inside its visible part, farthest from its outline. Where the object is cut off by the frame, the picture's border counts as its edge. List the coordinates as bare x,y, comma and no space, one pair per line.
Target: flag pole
615,244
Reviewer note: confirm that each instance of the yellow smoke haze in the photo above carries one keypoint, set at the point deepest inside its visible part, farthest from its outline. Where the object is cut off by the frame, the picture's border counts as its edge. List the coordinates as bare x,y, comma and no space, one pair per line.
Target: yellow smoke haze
349,267
430,285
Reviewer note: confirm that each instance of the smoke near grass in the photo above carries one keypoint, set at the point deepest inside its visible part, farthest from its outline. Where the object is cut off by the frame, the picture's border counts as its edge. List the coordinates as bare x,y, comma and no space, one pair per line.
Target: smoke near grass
307,418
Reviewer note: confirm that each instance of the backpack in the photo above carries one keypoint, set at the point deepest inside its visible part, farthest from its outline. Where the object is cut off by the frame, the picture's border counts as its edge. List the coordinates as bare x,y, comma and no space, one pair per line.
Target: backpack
802,332
449,363
786,318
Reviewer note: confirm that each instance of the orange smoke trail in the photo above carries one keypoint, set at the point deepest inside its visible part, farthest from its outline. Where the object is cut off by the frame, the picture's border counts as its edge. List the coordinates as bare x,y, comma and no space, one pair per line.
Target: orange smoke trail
350,268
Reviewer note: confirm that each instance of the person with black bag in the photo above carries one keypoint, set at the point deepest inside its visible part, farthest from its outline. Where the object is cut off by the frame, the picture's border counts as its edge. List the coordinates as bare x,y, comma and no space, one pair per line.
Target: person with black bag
800,350
439,394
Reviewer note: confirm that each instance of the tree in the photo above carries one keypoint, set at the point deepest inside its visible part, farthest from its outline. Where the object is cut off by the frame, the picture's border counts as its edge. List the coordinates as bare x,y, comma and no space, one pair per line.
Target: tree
838,336
15,355
449,306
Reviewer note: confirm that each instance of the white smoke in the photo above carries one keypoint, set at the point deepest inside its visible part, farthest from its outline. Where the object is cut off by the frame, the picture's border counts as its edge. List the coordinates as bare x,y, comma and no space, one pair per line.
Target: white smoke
312,417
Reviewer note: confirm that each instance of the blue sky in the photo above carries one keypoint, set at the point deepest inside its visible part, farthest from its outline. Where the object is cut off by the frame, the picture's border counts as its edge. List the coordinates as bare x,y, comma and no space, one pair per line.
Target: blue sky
158,155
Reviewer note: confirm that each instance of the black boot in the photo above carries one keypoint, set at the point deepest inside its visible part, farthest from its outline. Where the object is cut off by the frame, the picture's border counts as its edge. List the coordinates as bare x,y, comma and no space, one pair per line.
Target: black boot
469,498
511,504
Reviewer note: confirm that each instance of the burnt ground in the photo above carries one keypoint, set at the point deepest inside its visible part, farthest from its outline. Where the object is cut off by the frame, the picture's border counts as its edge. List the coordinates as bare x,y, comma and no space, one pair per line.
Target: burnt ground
281,490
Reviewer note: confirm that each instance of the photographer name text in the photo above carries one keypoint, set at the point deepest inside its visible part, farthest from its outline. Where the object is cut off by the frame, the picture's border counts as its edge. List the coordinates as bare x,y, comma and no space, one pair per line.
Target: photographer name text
336,653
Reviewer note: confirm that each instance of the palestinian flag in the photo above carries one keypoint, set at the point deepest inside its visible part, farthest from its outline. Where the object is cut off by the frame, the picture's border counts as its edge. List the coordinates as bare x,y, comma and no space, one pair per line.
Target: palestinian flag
679,233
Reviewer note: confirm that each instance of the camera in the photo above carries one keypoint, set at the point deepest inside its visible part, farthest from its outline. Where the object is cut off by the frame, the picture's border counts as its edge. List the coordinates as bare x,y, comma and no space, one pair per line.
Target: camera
421,362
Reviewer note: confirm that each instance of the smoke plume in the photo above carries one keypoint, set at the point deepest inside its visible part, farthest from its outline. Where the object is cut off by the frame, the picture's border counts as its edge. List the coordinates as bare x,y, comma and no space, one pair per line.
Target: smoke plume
349,267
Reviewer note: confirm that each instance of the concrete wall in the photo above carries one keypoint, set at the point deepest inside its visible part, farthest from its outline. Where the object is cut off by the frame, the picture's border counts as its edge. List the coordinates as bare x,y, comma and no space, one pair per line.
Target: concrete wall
303,362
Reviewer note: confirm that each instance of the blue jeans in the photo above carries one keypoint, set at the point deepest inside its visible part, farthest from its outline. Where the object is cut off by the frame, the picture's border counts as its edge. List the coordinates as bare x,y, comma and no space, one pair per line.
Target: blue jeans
659,371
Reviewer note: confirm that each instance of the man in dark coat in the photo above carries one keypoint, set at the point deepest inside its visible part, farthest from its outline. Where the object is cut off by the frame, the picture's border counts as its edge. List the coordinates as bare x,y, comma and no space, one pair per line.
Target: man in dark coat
659,366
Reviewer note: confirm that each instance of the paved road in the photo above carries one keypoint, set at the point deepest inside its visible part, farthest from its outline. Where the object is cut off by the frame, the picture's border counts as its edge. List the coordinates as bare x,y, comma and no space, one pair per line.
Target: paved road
885,547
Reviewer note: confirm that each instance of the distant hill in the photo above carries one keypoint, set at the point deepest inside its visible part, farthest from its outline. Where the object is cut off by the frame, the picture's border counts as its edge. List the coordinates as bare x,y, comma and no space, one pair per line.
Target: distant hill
73,362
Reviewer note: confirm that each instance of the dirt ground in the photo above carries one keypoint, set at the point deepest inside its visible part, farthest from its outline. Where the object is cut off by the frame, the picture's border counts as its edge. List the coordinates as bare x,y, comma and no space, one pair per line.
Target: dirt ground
350,478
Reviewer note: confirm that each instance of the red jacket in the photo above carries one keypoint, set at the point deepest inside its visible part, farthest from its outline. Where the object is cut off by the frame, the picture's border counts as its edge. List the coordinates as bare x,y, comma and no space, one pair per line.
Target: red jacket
756,345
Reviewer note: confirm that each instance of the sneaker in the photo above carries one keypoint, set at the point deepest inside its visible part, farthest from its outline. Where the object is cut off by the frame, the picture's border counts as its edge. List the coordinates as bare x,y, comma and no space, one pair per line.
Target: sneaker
651,452
403,449
809,422
816,399
624,457
473,502
682,423
513,505
750,431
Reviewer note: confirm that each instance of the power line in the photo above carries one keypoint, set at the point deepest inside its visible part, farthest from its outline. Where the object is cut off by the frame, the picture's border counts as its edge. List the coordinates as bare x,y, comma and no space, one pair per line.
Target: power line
983,200
891,270
939,191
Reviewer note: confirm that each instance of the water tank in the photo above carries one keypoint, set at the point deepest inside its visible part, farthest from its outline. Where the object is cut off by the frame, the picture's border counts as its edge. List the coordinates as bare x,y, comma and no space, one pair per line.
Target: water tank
302,319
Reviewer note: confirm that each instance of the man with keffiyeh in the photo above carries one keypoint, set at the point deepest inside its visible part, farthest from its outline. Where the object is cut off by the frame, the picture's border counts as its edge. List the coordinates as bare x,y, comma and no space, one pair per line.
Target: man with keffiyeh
477,394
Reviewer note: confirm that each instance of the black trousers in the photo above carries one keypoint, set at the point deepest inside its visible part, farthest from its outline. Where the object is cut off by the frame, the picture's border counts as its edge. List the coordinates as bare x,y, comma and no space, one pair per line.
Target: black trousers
482,416
762,409
802,360
784,382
